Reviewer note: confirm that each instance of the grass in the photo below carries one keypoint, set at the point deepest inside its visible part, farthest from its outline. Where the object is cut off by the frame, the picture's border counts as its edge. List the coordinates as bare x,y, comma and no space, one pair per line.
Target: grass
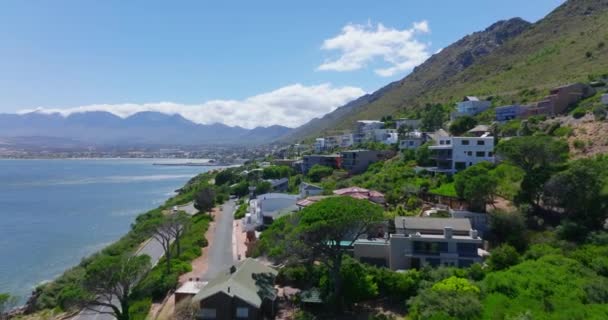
446,189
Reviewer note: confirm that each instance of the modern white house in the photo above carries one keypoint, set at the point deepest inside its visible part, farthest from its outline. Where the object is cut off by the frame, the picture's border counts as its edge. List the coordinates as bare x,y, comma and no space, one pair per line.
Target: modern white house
453,154
419,242
319,145
386,136
470,106
365,130
412,140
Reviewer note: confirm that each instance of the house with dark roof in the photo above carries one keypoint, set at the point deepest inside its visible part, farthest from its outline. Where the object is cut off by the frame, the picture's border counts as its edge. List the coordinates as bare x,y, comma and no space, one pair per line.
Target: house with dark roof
245,291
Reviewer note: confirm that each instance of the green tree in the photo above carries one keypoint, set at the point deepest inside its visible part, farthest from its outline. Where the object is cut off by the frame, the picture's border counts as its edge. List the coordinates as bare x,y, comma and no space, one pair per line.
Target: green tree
277,172
109,281
324,231
539,157
263,187
423,155
225,176
241,189
204,200
509,228
580,192
461,125
503,257
359,285
433,117
318,172
476,185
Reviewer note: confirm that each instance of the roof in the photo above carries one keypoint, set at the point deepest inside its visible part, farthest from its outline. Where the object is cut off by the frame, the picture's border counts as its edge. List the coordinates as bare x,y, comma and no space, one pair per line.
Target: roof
305,185
251,282
480,128
471,98
457,224
350,190
310,200
191,287
277,182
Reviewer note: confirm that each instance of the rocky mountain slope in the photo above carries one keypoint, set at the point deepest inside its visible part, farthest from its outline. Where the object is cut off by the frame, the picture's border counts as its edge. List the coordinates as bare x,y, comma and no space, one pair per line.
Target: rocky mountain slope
144,128
567,45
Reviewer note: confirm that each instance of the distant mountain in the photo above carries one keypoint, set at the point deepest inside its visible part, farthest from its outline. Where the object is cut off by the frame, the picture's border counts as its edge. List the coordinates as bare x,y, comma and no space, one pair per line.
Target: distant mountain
568,45
144,128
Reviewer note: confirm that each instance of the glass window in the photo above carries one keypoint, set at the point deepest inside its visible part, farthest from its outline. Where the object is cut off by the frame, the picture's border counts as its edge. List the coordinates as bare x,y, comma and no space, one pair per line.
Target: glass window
481,142
480,154
465,142
242,312
448,142
469,153
208,313
490,154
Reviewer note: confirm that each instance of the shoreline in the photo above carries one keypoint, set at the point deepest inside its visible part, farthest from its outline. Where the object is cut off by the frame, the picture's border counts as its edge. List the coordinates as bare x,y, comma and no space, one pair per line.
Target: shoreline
28,300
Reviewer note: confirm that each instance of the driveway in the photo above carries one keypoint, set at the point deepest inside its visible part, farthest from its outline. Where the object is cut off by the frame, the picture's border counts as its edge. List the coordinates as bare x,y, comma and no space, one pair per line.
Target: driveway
220,256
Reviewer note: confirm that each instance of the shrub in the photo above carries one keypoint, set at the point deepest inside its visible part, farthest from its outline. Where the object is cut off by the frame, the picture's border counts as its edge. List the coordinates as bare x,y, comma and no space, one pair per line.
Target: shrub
579,144
503,257
138,310
318,172
578,113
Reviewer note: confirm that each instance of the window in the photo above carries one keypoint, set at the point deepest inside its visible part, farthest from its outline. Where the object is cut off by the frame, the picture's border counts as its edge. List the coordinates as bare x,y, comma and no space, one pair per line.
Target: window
460,165
441,142
490,154
480,154
470,153
465,142
208,313
481,142
242,312
448,142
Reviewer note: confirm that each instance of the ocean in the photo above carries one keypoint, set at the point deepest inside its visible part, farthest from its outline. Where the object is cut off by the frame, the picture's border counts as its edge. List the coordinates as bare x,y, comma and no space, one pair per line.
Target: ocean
55,212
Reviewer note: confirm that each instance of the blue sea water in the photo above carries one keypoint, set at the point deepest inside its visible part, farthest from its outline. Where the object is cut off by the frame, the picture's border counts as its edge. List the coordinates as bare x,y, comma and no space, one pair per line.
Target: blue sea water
55,212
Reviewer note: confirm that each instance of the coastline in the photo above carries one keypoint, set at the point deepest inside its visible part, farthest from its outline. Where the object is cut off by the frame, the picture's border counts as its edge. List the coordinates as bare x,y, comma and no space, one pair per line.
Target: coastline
27,297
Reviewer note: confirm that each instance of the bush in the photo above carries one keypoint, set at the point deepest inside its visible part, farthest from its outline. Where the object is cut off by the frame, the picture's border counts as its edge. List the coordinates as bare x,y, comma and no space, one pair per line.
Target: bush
503,257
579,144
138,310
578,113
318,172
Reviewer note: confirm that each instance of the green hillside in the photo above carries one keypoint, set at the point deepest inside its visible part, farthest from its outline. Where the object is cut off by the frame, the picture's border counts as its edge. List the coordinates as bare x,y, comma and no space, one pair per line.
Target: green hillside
570,44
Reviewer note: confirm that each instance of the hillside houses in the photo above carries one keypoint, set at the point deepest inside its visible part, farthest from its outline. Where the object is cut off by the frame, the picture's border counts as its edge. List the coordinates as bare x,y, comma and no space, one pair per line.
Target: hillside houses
470,106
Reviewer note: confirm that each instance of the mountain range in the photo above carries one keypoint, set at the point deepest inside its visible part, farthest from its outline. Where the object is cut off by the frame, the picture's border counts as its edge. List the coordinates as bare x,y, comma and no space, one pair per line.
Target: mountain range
143,128
511,61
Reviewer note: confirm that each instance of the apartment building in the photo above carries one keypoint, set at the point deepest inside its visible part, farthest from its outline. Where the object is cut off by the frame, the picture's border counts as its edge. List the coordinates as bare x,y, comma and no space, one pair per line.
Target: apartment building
453,154
357,161
420,242
309,161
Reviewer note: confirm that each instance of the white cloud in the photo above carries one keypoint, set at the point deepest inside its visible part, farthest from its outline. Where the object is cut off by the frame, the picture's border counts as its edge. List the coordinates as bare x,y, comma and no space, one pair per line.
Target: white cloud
360,45
289,106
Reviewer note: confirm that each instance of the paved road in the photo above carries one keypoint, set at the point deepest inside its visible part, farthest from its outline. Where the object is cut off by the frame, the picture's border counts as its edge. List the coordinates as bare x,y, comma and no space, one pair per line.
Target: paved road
220,255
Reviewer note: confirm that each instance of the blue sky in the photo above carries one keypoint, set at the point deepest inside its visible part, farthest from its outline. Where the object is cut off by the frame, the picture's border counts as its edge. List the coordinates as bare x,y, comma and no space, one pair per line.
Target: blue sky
231,62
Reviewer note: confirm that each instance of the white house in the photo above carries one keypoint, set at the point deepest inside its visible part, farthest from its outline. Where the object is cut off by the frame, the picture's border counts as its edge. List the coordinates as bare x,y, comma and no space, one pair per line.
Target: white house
267,207
386,136
470,106
319,145
412,140
453,154
365,130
